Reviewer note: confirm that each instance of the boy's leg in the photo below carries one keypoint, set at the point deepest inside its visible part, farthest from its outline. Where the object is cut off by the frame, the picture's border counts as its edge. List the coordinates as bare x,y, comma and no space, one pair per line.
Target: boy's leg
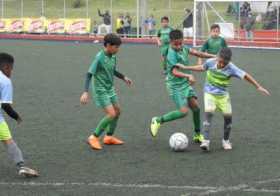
180,100
193,104
224,105
14,152
209,108
109,139
104,123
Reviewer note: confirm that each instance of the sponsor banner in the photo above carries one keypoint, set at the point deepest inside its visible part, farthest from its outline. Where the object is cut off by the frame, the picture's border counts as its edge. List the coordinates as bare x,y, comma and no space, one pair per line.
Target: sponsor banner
56,25
35,25
3,25
78,26
15,25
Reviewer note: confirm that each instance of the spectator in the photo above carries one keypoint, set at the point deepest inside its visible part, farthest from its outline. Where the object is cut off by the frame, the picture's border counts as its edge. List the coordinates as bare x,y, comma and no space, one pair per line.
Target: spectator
106,22
248,26
188,24
150,25
95,28
119,24
127,24
245,10
270,19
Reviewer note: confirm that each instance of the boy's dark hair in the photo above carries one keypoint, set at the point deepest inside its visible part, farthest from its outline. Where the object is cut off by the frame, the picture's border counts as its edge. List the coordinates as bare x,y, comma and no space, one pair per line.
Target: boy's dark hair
164,18
176,34
112,39
6,59
225,53
215,26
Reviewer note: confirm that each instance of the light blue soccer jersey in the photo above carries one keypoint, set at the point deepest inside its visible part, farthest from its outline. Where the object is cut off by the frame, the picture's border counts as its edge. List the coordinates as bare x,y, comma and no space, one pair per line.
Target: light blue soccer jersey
217,80
6,92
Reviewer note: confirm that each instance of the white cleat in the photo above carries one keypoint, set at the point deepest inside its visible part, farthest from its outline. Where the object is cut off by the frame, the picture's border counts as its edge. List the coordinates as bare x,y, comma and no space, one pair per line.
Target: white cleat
205,145
27,172
227,145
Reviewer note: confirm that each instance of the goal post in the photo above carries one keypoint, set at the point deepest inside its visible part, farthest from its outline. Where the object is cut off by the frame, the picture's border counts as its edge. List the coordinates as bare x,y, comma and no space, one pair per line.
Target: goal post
251,23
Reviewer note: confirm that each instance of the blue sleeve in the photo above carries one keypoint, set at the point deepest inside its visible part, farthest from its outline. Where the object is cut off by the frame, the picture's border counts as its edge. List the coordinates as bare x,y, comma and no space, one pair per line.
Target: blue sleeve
237,72
94,64
208,63
7,93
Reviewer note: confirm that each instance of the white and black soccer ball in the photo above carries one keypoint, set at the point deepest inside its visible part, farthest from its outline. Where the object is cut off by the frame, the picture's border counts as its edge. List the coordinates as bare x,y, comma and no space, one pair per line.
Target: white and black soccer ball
178,142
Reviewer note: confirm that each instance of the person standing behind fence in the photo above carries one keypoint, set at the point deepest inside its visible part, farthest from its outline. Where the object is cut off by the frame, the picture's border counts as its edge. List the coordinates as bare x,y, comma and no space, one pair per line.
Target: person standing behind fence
119,24
127,24
248,26
150,24
188,24
106,22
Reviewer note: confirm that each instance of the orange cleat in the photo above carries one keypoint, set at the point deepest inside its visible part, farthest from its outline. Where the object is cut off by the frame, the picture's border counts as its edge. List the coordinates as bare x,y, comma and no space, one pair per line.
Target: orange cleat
94,142
111,140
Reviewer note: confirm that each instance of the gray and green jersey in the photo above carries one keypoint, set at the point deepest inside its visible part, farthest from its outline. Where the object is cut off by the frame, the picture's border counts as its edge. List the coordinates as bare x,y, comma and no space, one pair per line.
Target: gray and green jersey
177,57
102,69
163,34
218,80
214,45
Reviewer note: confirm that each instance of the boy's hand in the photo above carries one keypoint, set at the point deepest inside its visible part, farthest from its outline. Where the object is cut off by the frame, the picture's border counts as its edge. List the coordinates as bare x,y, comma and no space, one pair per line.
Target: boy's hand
84,99
19,120
128,81
263,91
191,79
159,43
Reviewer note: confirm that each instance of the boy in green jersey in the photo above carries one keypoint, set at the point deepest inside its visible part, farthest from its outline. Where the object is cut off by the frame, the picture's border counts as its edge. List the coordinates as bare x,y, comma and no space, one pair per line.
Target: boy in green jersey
163,39
178,83
215,43
103,70
219,71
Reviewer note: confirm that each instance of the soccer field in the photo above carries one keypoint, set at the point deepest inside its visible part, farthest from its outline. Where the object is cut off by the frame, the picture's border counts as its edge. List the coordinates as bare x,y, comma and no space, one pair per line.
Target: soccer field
48,80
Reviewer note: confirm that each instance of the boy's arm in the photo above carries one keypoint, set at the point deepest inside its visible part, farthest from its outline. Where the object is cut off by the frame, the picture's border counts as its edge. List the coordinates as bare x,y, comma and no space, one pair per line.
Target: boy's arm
99,13
201,54
252,81
158,38
198,68
180,74
121,76
7,107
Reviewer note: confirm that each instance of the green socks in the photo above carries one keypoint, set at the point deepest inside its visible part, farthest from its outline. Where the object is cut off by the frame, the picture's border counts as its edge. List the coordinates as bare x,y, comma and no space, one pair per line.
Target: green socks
174,115
112,126
105,122
196,119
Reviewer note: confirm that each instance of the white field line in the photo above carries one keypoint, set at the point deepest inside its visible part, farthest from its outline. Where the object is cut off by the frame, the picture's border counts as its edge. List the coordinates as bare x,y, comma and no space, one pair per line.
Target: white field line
206,190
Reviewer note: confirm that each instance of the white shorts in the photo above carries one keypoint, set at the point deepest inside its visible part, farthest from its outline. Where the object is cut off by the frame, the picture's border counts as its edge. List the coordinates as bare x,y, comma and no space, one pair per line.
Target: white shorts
188,32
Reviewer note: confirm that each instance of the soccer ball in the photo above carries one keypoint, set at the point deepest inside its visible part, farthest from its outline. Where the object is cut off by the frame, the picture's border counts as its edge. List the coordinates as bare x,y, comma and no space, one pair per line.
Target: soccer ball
178,142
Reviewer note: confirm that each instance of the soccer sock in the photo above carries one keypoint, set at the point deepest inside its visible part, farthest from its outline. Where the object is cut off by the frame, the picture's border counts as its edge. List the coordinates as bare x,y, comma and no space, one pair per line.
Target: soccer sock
112,126
196,119
207,125
227,126
106,121
174,115
15,154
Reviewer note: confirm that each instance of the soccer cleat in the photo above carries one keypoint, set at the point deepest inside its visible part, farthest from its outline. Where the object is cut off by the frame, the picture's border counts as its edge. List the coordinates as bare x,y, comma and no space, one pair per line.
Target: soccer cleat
155,125
110,140
27,172
198,138
205,145
227,145
94,142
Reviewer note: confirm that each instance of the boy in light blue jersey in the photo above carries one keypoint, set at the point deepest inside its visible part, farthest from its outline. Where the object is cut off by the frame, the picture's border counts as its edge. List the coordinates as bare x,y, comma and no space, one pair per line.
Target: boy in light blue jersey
6,100
216,97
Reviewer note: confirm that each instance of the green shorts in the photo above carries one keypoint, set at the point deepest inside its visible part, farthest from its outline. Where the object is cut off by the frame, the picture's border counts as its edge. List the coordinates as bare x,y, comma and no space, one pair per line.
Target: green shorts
104,98
221,103
180,96
5,133
164,50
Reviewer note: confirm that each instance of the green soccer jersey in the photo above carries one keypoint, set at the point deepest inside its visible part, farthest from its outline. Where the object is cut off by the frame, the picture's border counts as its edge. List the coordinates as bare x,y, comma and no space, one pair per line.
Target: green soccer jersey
102,69
177,57
214,45
163,34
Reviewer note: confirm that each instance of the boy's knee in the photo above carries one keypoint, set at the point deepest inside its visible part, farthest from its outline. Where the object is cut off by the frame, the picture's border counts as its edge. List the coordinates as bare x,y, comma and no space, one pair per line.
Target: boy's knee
184,111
